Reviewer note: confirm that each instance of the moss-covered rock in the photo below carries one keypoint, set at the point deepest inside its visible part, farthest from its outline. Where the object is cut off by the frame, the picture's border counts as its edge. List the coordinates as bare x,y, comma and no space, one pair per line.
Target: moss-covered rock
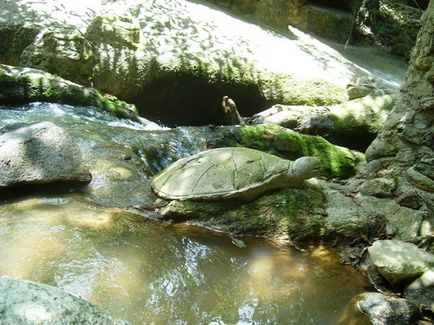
353,124
336,161
24,85
292,212
316,212
15,38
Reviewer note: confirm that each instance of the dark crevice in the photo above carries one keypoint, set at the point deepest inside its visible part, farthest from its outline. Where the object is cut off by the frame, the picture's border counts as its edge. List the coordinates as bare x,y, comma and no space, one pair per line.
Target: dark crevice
194,101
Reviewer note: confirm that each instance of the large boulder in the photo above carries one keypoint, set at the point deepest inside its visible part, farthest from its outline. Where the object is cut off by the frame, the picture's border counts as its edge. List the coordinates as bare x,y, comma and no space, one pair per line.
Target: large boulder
180,54
177,59
25,85
353,124
398,261
30,303
38,154
15,39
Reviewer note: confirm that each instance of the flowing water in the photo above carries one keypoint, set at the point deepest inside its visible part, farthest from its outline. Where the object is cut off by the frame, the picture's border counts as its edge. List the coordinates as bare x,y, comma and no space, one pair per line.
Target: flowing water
84,241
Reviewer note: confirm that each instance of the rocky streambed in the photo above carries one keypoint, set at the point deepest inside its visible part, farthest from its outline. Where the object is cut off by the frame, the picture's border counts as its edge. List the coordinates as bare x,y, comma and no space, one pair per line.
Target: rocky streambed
77,211
109,241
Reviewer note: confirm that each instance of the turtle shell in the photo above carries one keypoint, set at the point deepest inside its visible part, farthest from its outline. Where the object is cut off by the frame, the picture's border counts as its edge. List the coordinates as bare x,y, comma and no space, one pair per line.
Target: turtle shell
219,173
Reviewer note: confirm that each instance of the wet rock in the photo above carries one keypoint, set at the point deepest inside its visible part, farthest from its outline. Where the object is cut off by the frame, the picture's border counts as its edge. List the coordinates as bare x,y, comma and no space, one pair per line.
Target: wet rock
25,85
421,291
64,52
385,310
398,261
31,303
38,154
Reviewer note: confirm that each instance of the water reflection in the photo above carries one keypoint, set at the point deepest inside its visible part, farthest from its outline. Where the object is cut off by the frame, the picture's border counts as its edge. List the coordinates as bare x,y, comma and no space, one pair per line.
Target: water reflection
151,272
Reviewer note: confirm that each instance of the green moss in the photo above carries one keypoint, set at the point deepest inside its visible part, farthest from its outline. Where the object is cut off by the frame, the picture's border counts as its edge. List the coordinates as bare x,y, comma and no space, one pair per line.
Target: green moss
23,85
279,213
336,161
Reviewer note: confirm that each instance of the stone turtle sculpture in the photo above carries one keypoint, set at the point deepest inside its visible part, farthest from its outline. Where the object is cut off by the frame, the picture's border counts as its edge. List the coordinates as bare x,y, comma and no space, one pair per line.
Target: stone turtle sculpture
231,173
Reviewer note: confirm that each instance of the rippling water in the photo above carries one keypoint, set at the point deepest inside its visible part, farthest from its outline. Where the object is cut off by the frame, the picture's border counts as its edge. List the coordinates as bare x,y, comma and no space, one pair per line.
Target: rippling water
149,272
82,241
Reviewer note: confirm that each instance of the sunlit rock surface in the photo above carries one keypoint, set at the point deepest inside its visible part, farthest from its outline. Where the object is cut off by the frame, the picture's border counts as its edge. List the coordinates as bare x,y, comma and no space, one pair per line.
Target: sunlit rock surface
353,124
385,310
398,261
184,58
39,154
32,303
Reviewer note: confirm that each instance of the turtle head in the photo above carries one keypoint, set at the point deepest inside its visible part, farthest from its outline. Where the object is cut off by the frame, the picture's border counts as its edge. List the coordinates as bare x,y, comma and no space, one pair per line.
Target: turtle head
305,168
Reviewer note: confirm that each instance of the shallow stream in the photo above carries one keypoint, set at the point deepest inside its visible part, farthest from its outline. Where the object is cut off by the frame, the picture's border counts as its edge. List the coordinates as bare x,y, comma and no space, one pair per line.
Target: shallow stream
84,241
149,272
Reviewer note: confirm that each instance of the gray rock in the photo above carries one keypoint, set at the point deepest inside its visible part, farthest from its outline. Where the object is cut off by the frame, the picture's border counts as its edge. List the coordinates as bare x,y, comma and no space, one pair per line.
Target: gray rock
116,31
62,51
338,123
401,222
385,310
38,154
398,261
421,291
26,303
379,187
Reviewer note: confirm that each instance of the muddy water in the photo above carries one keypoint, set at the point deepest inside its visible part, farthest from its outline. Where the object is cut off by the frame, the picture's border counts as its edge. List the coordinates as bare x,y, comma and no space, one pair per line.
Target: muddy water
148,272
